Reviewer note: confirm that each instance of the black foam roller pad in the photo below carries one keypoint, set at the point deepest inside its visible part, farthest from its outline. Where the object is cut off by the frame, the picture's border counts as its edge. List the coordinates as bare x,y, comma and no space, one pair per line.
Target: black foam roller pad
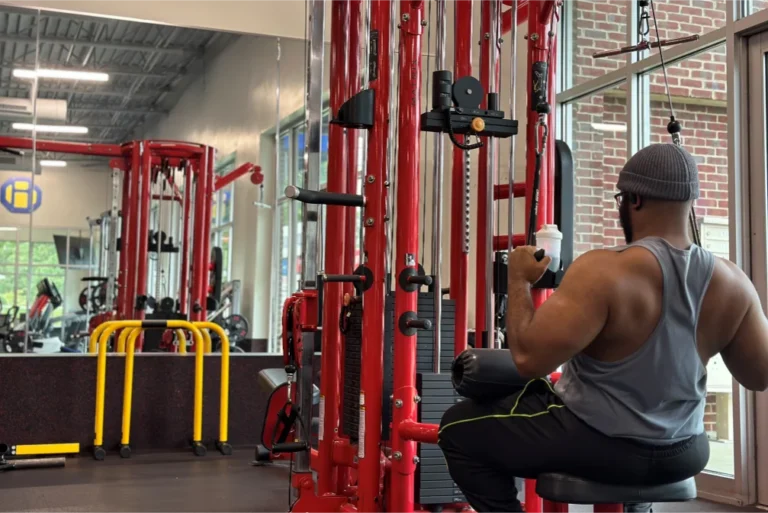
486,374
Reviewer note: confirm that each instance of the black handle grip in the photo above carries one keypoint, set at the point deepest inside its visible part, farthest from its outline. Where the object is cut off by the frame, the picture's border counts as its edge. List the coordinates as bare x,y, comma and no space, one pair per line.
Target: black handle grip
343,278
324,198
420,324
420,280
539,255
289,447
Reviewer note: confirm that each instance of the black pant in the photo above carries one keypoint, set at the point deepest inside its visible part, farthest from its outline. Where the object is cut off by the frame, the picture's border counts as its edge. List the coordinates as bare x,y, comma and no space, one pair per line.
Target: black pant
532,432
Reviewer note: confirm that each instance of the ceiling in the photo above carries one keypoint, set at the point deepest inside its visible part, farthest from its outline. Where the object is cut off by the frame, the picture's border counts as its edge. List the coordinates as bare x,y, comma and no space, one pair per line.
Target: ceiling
149,66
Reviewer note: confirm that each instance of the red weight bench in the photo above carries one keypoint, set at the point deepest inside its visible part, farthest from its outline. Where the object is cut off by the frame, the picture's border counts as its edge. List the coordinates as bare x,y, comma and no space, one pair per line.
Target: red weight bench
563,489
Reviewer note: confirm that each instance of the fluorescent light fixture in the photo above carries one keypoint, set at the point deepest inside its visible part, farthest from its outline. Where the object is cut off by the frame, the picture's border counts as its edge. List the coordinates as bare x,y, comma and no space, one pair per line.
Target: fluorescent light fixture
61,129
610,127
8,229
64,74
53,163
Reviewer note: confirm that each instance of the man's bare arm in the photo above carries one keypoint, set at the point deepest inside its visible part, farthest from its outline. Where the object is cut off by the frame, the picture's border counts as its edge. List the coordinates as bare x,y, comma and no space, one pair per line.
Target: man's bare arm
567,322
746,355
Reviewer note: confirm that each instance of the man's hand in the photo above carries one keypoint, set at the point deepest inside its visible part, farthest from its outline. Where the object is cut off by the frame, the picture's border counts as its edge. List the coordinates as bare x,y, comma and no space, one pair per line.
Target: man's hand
522,265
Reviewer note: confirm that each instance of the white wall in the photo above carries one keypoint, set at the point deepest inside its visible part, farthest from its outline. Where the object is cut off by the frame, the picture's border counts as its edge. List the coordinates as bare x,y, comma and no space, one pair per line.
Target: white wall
283,18
69,196
229,108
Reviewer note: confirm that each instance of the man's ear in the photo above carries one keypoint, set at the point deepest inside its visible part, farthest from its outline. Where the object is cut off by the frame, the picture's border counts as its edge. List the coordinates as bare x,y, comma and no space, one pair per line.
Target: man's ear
637,201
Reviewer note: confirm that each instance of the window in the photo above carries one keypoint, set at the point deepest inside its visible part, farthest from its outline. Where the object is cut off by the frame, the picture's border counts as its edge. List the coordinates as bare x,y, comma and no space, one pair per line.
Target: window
698,85
222,216
596,129
754,6
592,26
291,171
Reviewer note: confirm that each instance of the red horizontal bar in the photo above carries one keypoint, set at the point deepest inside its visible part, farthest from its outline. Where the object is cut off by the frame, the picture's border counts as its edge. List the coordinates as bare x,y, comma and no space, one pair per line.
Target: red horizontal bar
166,197
227,179
502,191
25,143
500,241
418,432
180,146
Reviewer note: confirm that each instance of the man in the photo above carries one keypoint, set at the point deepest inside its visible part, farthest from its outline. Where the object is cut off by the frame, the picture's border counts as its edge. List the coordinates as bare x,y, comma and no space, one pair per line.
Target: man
634,328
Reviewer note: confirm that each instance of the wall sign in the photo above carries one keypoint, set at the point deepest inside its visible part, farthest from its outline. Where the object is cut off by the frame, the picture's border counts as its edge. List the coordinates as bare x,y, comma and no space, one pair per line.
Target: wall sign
19,196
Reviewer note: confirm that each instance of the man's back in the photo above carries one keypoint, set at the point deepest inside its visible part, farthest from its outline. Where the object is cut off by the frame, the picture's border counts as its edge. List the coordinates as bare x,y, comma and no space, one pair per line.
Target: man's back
684,328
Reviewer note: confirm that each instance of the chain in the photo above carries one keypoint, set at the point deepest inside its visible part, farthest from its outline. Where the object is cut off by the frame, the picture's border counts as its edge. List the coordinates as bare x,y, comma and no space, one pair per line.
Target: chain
467,177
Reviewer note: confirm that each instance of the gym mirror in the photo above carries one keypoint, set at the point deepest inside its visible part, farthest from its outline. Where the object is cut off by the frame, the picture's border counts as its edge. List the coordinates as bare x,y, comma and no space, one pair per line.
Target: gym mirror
75,91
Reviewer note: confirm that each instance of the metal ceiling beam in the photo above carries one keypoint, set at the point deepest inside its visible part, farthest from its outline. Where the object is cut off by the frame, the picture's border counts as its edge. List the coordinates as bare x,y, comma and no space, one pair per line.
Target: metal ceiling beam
107,109
106,45
117,93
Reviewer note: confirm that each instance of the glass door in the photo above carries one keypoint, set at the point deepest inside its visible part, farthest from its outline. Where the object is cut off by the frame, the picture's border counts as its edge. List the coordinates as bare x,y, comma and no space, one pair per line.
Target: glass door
758,164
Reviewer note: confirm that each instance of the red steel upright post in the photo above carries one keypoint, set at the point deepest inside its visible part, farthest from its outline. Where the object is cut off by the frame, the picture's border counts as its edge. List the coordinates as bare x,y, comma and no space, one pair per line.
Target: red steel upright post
353,86
185,215
210,176
198,245
130,242
330,363
144,199
126,220
375,234
406,251
482,185
460,257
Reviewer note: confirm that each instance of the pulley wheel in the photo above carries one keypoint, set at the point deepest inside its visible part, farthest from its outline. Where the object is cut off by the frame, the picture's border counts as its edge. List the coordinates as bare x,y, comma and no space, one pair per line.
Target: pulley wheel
468,93
236,327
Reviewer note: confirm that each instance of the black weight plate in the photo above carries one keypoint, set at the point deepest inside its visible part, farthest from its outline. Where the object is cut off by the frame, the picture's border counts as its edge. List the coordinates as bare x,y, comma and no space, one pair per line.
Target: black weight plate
236,327
82,299
468,93
167,304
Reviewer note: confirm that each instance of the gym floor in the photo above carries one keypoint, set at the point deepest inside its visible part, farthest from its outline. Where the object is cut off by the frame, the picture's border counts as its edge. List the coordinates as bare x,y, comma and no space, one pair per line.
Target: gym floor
178,482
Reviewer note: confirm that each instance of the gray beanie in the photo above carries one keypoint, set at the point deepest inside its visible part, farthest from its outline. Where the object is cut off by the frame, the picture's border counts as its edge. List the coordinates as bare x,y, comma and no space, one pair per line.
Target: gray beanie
661,171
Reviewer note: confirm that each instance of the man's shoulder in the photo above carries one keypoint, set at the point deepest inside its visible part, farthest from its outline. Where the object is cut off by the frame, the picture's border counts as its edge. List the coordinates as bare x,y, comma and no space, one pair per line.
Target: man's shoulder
609,266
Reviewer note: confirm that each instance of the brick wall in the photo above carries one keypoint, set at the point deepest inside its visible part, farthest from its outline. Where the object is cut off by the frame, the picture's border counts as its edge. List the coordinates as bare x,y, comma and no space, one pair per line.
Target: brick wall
698,88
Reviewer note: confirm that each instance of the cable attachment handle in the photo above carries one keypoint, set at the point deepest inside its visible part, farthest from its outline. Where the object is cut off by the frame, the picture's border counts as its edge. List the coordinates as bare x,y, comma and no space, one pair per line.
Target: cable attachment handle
542,133
644,23
290,379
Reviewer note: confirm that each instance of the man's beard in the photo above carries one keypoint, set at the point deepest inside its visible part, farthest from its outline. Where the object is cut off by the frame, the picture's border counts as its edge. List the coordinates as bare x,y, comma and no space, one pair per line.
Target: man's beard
626,221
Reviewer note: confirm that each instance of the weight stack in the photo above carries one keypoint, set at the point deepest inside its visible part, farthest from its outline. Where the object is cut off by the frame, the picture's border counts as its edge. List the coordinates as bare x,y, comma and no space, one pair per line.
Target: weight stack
424,348
424,357
353,343
433,482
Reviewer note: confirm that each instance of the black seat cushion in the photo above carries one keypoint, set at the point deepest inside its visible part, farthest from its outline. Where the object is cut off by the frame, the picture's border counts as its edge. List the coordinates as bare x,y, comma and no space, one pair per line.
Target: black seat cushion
575,490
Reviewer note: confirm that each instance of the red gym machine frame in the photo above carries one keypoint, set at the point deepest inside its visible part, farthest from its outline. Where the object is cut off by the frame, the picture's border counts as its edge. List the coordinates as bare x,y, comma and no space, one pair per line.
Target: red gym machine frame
137,160
376,468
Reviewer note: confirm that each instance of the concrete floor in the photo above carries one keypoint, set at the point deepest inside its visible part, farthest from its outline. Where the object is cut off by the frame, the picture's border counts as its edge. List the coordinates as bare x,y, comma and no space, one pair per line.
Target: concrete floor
178,482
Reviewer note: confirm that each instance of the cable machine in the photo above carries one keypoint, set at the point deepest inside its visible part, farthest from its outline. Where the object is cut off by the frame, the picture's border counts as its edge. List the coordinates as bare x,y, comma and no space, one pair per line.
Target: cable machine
382,392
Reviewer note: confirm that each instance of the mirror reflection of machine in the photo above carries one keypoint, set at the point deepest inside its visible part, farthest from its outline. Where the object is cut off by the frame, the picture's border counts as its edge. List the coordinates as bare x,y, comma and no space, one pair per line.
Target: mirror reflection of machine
41,332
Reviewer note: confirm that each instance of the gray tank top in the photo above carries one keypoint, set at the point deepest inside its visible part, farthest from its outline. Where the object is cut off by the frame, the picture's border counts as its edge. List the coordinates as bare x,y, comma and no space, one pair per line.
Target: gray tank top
657,394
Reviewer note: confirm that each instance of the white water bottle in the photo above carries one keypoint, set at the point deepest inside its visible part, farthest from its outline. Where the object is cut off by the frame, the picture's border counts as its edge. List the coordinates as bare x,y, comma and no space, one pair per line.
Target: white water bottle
550,239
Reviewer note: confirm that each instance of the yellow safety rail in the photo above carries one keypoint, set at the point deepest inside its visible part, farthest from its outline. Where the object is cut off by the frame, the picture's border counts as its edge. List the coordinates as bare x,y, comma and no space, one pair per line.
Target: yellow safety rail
121,340
101,373
206,338
223,443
